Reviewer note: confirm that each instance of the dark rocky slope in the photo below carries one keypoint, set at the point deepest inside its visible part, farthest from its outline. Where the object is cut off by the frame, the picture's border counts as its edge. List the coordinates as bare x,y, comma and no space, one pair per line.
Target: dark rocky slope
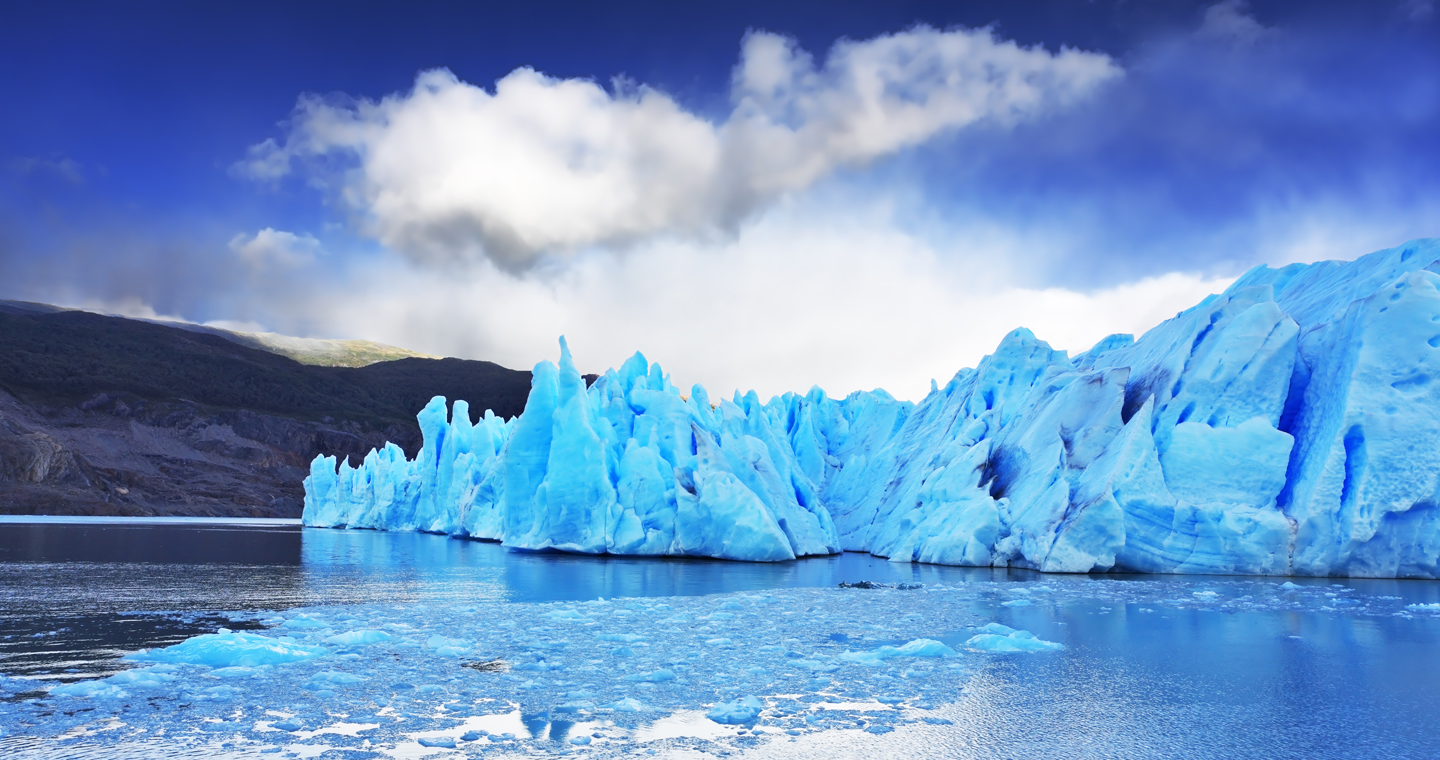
111,416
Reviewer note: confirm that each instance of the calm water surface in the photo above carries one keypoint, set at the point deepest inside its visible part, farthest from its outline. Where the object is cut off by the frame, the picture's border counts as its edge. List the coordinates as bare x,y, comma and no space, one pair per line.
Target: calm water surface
76,596
1352,675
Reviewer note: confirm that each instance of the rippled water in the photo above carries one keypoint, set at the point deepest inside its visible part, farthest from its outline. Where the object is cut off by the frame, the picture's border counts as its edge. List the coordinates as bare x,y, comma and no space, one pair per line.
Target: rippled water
1173,667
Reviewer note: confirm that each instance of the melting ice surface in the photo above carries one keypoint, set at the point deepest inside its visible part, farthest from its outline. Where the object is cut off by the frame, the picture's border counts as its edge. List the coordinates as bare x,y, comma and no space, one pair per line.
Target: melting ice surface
1290,425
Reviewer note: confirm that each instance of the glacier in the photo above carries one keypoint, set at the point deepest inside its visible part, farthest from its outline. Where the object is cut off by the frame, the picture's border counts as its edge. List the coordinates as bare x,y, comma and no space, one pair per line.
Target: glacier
1287,426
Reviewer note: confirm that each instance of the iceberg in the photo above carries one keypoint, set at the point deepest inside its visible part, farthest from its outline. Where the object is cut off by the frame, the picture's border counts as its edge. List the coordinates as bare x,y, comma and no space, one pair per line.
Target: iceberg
1288,426
744,710
628,465
227,649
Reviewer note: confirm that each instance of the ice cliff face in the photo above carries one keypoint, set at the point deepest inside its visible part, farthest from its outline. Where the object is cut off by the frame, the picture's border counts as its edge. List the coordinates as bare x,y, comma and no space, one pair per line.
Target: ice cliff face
1288,425
627,466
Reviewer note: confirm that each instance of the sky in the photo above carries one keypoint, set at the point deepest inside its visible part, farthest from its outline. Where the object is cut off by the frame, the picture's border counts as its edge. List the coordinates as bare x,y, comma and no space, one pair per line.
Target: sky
756,195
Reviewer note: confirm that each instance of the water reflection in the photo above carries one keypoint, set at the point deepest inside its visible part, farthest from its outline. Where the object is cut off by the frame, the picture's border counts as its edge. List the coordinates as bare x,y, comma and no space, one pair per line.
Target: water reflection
546,576
112,542
1154,666
75,597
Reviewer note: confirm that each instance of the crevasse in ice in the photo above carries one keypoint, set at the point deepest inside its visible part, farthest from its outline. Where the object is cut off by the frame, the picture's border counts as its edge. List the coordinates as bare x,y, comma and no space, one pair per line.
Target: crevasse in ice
1290,425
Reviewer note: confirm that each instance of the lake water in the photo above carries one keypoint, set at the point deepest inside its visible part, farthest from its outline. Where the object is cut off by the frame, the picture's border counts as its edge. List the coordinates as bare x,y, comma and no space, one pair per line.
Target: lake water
1150,666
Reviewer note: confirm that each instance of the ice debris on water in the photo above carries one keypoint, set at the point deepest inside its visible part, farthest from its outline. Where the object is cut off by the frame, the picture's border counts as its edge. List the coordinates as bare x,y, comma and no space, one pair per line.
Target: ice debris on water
743,710
304,621
916,648
1019,641
357,638
1290,425
231,648
994,637
851,661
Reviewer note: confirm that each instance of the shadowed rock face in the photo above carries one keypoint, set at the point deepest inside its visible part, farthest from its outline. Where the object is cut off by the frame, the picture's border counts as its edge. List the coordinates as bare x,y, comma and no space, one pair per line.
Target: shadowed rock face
117,454
111,416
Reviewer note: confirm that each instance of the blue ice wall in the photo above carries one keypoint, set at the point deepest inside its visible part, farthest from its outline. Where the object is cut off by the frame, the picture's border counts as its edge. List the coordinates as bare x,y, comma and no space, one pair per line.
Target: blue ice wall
1290,425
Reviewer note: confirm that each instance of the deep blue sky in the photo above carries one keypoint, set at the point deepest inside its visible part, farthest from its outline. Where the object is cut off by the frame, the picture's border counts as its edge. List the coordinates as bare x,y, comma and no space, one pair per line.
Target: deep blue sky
122,122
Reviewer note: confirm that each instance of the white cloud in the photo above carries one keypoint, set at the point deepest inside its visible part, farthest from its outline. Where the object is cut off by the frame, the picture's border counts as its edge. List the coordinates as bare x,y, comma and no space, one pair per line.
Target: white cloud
1417,10
1231,20
837,298
276,249
65,168
129,306
451,171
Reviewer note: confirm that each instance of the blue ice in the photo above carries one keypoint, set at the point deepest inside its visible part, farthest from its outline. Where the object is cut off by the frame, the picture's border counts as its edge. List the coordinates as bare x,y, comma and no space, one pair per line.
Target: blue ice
1289,425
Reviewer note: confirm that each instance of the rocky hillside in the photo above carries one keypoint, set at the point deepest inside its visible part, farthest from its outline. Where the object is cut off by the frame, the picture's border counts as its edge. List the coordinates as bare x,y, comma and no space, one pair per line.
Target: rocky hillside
113,416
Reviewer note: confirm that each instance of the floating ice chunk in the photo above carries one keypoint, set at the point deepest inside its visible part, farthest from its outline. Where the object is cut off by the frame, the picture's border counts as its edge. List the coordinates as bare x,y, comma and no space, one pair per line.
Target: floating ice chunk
664,674
815,666
447,647
289,724
626,638
628,704
580,740
540,665
743,710
216,692
1016,641
1017,603
924,648
237,671
916,648
223,650
93,689
444,742
358,638
304,622
567,616
335,676
1290,586
996,628
155,675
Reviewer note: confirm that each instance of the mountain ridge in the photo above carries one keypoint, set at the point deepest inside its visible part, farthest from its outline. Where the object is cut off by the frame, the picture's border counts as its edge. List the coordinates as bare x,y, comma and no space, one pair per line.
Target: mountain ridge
323,352
110,415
